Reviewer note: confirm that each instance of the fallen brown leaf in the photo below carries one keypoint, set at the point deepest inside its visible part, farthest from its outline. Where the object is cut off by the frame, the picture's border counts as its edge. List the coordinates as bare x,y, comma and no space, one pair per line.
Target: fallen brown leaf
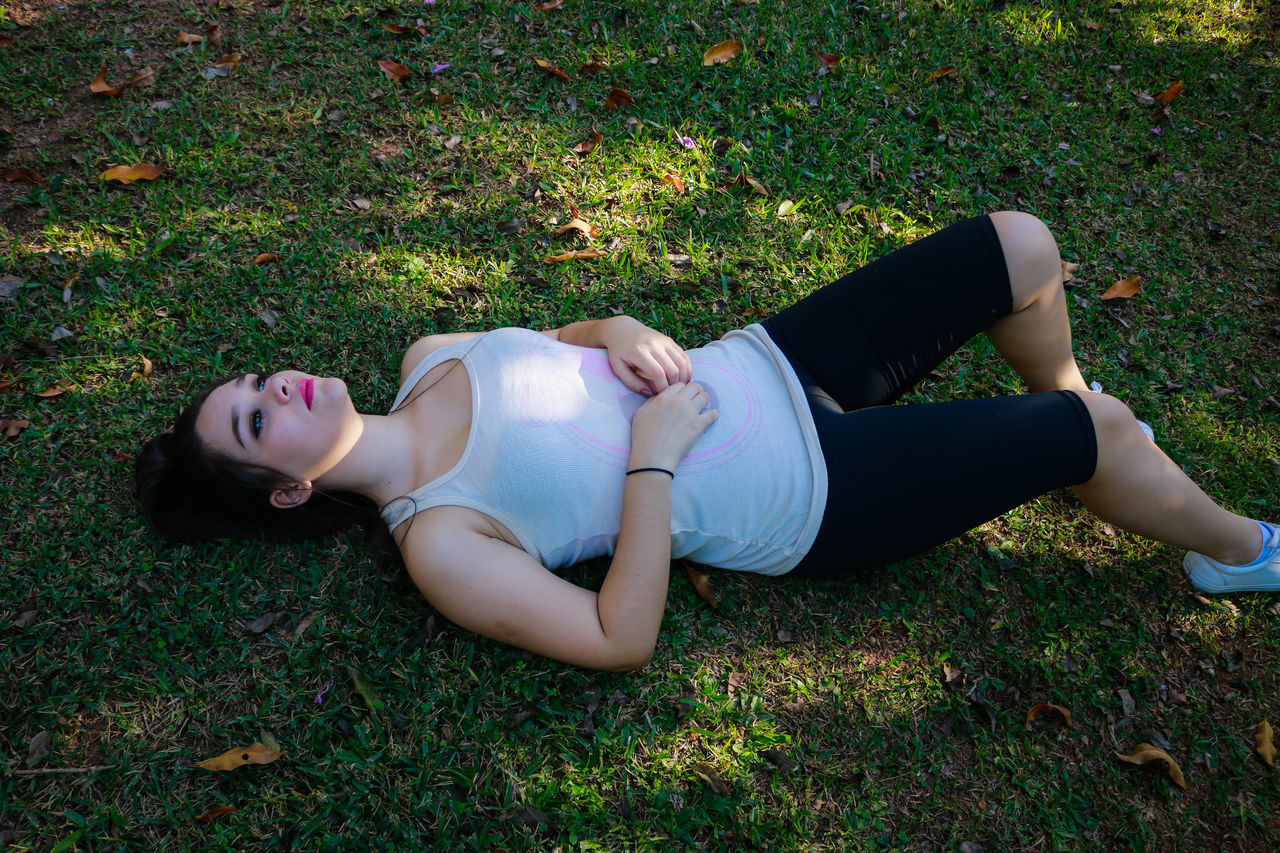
712,778
188,38
55,390
9,429
588,146
398,29
129,174
1124,288
233,758
548,5
1266,748
213,33
442,99
581,226
1037,710
945,71
751,183
215,812
1090,25
394,70
6,41
1068,270
575,255
1170,93
266,258
22,175
618,98
676,183
551,69
230,60
7,385
702,585
778,759
590,68
100,86
1145,753
828,60
722,52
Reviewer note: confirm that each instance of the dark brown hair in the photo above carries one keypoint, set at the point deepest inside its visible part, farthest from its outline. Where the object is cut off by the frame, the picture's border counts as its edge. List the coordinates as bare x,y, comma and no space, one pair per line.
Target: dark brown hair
191,493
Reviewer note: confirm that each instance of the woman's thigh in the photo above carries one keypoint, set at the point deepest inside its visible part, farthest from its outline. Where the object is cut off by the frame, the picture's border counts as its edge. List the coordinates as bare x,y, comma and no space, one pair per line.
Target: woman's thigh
868,338
903,479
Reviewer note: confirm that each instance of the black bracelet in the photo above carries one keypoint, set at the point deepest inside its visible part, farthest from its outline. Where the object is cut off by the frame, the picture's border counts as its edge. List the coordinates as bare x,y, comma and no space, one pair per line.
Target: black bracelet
670,474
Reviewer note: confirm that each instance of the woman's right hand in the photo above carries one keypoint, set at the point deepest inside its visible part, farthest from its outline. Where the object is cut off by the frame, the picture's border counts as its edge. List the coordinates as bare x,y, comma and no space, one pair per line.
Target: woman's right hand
667,425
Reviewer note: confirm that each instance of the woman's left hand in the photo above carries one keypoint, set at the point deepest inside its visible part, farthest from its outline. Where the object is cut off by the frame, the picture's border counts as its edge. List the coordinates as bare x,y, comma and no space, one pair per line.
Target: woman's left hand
646,360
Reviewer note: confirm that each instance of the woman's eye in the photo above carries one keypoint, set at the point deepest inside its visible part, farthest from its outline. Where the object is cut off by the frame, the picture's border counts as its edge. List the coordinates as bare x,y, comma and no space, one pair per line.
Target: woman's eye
255,423
262,382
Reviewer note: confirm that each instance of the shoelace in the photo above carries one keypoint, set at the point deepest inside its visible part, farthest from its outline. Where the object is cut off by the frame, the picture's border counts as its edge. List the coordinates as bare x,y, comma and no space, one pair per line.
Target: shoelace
1274,541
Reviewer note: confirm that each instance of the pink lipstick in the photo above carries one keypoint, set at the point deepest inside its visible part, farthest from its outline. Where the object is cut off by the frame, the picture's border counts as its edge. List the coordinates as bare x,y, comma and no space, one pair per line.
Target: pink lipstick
307,388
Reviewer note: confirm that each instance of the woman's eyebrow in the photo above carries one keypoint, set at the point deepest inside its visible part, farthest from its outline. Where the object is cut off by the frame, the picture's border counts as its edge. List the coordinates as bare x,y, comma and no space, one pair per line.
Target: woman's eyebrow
235,428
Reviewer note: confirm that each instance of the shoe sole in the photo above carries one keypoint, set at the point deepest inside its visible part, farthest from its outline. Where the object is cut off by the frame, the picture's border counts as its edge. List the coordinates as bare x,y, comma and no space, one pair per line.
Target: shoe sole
1207,586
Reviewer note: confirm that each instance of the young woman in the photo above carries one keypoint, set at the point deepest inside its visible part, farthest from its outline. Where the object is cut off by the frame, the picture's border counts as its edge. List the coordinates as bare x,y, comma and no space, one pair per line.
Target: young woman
772,450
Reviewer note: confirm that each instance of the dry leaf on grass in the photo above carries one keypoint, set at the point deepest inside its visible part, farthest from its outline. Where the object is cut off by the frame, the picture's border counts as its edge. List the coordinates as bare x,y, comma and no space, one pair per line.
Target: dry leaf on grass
55,390
945,71
398,29
828,60
618,98
676,183
215,812
265,258
147,367
233,758
1037,710
9,429
593,67
6,41
1170,93
581,227
722,52
548,5
394,70
575,255
22,175
702,585
143,77
1068,270
188,38
751,183
1145,753
1262,738
1124,288
551,69
588,146
712,778
100,86
129,174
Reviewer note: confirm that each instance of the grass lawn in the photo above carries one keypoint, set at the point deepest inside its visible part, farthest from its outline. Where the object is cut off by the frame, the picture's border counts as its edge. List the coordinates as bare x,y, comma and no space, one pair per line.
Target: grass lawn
886,713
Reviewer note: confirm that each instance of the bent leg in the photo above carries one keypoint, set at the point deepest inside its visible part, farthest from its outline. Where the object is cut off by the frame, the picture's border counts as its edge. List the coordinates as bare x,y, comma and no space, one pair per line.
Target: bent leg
903,479
1035,337
1138,488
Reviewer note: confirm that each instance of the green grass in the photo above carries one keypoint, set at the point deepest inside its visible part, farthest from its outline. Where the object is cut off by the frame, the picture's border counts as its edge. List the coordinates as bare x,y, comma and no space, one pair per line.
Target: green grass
484,747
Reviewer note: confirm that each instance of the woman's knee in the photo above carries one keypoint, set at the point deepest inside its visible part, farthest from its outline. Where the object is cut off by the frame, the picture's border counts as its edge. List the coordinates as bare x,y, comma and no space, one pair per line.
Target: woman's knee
1031,255
1114,423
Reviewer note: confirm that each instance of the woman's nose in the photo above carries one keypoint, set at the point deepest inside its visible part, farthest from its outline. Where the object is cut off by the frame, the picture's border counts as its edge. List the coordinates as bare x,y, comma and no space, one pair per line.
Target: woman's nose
280,388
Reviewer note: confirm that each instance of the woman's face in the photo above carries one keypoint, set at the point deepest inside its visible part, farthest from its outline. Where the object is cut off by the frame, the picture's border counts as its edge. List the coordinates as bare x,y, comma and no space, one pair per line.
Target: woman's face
297,424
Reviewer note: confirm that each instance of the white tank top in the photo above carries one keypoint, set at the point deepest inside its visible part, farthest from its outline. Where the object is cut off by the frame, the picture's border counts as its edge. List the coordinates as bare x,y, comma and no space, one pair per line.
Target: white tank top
551,437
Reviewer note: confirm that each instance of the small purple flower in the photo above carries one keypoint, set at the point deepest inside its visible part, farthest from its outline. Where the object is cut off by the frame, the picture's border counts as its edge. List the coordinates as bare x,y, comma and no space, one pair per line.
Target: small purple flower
320,695
687,142
1155,130
438,67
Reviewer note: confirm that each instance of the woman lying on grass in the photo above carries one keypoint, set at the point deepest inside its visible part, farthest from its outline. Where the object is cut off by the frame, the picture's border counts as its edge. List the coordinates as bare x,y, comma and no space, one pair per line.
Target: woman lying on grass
772,450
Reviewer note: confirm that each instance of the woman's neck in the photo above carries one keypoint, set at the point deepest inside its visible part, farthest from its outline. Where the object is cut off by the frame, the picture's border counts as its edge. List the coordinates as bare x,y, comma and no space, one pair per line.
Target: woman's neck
375,466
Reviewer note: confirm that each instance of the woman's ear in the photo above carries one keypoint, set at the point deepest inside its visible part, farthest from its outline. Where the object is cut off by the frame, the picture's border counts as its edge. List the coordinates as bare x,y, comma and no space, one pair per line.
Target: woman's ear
295,495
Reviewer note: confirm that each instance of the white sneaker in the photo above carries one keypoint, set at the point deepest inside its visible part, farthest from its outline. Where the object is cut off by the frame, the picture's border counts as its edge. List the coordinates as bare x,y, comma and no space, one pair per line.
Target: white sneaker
1262,575
1096,388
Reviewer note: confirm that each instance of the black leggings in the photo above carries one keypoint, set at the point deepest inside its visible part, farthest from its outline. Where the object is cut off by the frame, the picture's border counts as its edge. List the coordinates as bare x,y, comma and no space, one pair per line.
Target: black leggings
903,479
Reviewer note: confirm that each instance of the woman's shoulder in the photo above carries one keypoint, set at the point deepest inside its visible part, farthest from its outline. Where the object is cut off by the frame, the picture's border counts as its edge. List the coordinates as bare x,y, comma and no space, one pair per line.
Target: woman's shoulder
424,347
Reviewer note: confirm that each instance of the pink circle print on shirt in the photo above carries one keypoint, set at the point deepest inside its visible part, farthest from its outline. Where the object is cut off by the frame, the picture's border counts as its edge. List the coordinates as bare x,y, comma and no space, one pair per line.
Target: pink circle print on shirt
576,387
